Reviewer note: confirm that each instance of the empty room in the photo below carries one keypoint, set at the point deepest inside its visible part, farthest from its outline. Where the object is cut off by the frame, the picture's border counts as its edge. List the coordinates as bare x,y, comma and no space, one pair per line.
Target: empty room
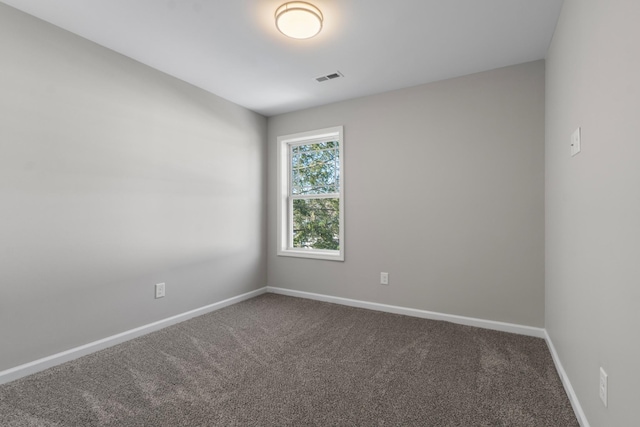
354,212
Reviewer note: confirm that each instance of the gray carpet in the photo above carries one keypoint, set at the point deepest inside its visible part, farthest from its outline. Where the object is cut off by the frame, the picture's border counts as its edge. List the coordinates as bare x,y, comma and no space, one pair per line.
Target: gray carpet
277,361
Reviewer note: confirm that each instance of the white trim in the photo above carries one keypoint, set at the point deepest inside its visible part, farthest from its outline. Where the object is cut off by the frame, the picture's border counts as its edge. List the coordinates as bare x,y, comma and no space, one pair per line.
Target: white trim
283,211
303,138
313,253
316,196
414,312
74,353
573,398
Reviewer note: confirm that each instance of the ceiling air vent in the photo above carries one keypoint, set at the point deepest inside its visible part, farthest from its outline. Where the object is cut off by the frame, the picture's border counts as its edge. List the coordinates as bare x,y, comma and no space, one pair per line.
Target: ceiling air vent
331,76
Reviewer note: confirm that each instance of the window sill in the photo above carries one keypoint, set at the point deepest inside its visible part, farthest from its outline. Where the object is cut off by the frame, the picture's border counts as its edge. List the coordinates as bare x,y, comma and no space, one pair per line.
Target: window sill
313,254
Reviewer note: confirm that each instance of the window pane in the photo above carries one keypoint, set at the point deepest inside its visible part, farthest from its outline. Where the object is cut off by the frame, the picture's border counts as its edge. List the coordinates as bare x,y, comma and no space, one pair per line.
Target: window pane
315,168
316,223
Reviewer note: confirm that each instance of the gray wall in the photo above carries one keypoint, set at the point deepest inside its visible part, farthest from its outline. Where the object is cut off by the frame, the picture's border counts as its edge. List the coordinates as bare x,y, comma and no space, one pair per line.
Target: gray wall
444,190
593,203
114,177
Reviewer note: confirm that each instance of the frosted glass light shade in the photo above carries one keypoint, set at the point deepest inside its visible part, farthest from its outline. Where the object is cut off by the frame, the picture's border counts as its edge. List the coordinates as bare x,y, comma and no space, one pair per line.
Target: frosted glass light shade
299,20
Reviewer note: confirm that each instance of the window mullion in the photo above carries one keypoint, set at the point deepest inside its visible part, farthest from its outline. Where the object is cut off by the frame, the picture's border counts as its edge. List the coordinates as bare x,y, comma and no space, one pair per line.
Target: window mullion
315,196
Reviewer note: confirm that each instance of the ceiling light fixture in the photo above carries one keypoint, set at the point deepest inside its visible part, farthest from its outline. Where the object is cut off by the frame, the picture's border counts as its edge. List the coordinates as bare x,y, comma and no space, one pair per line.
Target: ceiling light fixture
299,20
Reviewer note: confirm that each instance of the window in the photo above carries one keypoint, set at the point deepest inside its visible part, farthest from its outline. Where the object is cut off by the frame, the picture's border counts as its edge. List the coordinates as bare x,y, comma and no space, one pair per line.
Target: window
310,194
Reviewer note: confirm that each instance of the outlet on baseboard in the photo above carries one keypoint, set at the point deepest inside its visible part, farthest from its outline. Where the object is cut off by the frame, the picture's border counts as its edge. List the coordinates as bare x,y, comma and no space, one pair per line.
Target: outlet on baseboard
159,290
604,379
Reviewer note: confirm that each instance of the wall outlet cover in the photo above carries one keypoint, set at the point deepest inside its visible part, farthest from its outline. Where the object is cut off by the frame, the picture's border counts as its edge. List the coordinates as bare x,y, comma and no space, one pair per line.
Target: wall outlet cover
160,290
575,142
384,278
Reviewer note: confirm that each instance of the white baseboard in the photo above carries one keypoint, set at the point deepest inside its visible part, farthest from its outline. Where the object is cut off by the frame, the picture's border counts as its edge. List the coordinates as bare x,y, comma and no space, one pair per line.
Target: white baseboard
462,320
573,398
74,353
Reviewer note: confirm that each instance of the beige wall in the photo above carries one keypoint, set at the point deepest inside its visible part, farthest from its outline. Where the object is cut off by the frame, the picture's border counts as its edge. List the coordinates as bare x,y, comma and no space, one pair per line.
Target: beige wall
593,203
444,190
114,177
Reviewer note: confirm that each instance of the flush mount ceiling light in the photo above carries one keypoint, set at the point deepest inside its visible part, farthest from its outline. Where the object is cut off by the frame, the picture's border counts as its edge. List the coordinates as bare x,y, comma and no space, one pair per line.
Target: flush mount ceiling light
298,20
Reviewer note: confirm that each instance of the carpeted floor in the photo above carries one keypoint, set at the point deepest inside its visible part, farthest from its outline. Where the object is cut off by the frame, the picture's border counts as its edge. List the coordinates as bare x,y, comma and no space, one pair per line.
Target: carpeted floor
277,361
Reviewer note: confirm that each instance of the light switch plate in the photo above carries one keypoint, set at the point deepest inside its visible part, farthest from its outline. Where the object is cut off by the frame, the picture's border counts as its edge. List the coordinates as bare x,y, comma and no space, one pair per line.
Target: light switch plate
575,142
604,385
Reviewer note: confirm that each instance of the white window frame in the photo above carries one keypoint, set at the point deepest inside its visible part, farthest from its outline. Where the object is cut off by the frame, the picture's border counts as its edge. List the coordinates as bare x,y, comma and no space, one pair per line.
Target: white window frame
285,203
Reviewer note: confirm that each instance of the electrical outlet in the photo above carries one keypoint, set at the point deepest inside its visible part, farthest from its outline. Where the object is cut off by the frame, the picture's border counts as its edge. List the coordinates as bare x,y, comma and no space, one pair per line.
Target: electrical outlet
384,278
604,379
575,142
159,290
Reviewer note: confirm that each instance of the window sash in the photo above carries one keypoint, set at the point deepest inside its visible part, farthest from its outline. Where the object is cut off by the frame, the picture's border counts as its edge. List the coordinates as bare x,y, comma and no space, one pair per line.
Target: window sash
290,226
309,196
335,162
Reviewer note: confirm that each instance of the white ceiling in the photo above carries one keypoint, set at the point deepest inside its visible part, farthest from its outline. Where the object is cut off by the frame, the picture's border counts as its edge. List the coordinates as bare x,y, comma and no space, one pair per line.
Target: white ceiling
232,48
